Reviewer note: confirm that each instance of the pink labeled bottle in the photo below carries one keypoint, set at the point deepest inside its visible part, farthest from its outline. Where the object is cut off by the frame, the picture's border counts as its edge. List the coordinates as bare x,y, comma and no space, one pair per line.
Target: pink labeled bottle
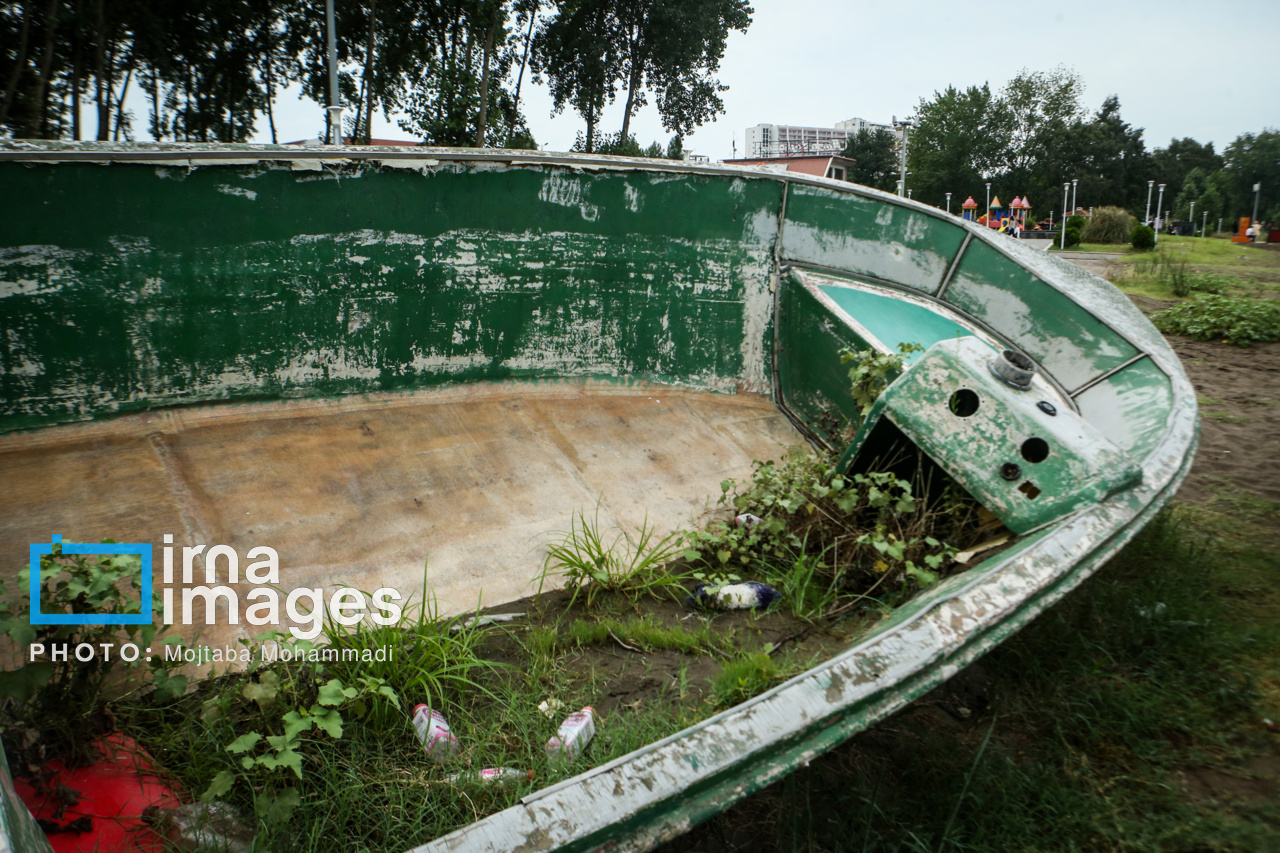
573,735
437,741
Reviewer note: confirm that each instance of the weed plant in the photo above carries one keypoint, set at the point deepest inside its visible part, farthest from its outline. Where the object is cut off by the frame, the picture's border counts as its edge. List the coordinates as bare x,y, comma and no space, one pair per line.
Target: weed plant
1231,319
1097,707
828,536
593,562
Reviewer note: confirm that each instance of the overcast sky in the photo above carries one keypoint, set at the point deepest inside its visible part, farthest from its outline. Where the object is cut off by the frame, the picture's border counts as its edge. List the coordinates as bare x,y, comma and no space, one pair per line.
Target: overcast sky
1202,69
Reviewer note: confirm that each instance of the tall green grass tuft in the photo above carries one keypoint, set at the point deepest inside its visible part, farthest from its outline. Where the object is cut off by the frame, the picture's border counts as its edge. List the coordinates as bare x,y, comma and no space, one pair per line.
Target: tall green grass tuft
593,561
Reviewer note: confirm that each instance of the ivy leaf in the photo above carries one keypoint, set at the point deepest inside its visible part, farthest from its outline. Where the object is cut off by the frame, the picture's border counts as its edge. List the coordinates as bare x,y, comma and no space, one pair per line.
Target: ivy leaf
334,693
265,691
219,786
244,743
284,758
278,807
329,720
295,724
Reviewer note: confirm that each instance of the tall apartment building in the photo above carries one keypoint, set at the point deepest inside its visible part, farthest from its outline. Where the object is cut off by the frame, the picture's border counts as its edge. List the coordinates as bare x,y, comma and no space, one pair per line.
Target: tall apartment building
787,140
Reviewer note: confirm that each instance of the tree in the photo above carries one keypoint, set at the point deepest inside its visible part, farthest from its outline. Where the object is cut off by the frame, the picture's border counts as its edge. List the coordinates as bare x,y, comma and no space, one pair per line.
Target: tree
1170,165
577,52
875,158
1251,159
1193,188
957,143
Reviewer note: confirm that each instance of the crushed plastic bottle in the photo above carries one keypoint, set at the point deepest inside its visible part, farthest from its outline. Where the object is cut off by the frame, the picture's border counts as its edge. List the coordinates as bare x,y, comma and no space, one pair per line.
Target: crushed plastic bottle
574,734
491,776
438,742
745,595
746,520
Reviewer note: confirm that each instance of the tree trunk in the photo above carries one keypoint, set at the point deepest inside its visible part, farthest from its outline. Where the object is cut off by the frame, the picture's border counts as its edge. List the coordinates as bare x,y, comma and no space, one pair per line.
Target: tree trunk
37,123
102,94
367,83
77,74
484,78
524,58
124,90
11,89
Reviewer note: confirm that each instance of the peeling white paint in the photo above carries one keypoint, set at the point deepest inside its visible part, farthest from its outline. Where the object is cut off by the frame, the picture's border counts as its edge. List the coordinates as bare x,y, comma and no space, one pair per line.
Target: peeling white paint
238,191
567,191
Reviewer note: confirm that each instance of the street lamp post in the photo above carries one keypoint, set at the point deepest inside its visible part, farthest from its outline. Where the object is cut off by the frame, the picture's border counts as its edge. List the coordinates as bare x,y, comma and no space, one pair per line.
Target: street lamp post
948,202
1204,224
1192,217
1146,217
1159,207
1065,187
335,106
902,168
1257,191
987,211
1074,181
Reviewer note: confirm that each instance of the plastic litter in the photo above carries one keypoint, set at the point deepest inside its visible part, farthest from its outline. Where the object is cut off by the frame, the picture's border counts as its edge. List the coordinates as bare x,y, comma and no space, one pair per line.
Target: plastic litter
574,734
746,595
491,776
746,520
202,826
438,742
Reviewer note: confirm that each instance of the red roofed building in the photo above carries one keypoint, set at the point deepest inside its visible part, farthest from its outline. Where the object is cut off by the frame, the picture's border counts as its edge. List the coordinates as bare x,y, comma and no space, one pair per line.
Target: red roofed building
821,167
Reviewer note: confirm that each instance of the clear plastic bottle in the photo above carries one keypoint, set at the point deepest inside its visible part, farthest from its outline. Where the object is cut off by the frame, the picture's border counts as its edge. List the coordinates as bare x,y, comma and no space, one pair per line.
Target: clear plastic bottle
573,735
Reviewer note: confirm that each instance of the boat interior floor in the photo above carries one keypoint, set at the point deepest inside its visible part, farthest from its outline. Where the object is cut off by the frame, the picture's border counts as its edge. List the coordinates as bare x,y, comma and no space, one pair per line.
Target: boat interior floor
359,490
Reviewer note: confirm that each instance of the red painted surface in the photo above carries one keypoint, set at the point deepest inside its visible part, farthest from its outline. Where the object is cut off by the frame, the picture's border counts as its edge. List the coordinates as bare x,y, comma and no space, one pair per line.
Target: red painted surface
113,793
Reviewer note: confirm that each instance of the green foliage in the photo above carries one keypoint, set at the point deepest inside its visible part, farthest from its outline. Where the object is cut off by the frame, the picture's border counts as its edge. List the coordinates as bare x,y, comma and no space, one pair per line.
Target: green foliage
875,157
743,677
827,534
1109,225
60,699
1231,319
1073,235
1143,238
631,566
872,371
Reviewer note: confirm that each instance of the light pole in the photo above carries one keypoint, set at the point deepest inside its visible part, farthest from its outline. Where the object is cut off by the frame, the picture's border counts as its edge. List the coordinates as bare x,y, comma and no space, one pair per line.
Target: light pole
335,106
987,212
1159,207
1074,181
948,200
1257,191
908,193
1065,187
1192,217
1204,224
1146,217
902,169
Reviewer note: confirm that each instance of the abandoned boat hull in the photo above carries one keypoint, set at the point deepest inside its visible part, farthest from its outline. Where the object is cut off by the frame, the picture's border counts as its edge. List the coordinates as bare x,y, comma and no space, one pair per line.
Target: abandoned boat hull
148,277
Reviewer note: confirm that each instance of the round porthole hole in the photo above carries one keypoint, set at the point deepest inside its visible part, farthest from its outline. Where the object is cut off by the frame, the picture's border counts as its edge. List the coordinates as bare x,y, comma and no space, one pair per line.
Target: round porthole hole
1035,450
964,403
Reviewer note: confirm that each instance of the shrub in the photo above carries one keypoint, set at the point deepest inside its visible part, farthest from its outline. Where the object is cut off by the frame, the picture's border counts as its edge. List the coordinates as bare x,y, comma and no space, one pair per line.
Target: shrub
1073,233
1077,221
1234,319
1143,238
1109,225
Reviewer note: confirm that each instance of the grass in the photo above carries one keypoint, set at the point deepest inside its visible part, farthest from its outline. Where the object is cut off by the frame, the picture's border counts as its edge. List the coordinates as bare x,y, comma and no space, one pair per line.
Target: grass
591,562
1100,712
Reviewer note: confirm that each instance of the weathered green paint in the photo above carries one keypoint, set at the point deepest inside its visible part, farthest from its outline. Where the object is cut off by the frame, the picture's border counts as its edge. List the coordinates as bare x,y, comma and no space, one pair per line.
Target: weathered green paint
895,321
813,384
1080,468
130,286
1069,342
866,236
1130,407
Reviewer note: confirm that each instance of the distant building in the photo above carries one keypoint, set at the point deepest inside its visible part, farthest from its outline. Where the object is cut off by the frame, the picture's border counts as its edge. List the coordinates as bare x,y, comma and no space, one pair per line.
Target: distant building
822,167
788,140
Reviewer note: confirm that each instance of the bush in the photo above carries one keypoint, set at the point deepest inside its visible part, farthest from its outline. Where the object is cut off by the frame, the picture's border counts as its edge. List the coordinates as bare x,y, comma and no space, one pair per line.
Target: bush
1073,234
1077,221
1109,225
1143,238
1234,319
